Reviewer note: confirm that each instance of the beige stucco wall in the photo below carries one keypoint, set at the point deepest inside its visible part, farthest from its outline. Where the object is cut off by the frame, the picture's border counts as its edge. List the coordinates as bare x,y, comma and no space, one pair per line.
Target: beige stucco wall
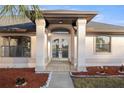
116,57
20,62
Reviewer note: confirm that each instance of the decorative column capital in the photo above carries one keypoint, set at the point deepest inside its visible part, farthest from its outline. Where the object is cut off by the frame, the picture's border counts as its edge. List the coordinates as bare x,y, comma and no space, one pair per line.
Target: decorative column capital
40,22
81,21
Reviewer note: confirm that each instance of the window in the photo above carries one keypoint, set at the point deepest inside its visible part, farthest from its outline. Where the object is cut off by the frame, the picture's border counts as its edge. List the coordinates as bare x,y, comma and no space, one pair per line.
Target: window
15,46
103,44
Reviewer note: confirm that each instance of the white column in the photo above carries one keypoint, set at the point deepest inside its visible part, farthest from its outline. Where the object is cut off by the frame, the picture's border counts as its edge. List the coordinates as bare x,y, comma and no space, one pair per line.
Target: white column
81,33
1,43
49,50
46,53
40,45
33,47
72,46
75,52
69,48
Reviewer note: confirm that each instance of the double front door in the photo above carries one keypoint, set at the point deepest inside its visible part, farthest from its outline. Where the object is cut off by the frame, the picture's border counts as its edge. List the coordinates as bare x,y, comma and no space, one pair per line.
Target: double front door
60,48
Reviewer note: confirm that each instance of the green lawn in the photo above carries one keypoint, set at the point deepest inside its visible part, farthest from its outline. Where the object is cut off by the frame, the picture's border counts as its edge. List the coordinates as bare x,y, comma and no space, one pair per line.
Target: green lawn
109,82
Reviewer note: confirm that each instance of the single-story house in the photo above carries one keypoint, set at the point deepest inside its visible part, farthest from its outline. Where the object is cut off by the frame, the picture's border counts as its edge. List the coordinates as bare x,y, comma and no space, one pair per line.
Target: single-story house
61,36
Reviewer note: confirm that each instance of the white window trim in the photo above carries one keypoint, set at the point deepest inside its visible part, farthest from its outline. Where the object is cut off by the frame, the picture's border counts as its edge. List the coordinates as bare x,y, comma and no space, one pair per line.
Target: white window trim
19,56
94,46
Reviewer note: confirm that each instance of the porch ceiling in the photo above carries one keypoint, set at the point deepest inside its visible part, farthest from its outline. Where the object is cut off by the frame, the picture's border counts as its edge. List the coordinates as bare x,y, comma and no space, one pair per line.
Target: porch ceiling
66,16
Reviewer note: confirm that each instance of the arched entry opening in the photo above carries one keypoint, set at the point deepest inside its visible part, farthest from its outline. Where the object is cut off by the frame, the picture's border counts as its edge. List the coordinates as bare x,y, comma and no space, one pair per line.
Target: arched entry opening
60,46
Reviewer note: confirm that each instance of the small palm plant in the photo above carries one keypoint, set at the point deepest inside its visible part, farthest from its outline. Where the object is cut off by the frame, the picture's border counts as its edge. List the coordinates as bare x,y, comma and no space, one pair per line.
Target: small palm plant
102,70
121,68
20,82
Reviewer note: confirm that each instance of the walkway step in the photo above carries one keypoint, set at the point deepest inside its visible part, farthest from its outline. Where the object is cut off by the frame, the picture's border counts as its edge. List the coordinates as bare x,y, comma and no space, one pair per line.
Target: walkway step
59,66
61,80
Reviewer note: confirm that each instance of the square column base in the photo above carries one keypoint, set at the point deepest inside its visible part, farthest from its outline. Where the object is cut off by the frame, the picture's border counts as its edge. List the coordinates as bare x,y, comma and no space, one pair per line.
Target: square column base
39,69
82,68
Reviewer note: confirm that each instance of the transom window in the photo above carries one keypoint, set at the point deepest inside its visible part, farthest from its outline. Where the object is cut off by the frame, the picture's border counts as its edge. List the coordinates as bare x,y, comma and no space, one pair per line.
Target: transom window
15,46
60,31
103,44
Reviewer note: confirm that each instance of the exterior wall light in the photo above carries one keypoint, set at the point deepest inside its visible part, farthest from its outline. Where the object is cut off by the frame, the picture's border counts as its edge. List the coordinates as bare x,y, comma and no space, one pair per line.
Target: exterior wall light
60,22
49,34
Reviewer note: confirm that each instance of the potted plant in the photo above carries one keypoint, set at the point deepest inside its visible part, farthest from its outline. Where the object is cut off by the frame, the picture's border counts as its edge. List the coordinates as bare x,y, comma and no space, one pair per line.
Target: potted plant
102,70
20,82
121,69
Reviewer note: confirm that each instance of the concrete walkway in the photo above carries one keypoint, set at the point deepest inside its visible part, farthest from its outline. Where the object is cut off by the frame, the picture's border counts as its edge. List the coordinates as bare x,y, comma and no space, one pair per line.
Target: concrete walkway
61,80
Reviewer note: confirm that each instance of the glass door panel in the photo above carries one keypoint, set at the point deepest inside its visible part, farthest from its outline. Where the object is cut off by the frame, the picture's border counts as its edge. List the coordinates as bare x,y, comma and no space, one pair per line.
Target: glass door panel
64,48
55,48
60,48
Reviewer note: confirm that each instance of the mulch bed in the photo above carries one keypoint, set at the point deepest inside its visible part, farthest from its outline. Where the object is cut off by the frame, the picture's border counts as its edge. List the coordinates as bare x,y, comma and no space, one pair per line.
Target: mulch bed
96,70
8,77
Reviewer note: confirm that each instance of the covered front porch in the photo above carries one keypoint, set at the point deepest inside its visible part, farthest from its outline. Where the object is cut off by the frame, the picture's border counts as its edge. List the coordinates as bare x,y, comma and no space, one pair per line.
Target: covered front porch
60,47
61,40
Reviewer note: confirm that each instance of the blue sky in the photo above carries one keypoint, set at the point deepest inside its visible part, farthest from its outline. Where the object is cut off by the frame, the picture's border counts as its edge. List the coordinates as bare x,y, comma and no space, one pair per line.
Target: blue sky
106,14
